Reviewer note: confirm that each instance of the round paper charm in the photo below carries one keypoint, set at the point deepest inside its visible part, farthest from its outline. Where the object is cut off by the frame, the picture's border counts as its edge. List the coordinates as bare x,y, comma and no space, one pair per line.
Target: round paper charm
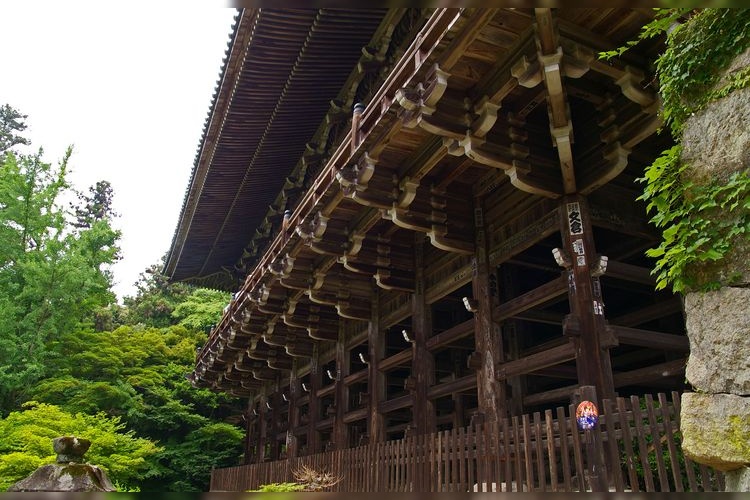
587,415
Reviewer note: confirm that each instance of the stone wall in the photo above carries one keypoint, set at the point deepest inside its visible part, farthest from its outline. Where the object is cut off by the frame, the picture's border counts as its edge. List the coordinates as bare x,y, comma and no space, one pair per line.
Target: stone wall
716,417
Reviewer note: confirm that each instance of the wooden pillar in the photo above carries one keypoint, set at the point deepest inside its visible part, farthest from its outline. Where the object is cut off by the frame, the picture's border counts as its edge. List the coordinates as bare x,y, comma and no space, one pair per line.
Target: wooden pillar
275,402
585,324
313,436
375,378
292,448
423,363
249,428
341,401
488,345
262,427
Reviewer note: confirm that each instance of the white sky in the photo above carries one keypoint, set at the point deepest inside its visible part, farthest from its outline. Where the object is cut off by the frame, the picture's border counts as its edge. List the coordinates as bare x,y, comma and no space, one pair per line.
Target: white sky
129,85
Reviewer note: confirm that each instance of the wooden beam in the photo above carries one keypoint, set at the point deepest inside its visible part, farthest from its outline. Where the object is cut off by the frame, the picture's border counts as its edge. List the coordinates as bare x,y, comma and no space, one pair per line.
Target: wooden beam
461,384
648,374
443,339
649,313
539,295
528,364
651,339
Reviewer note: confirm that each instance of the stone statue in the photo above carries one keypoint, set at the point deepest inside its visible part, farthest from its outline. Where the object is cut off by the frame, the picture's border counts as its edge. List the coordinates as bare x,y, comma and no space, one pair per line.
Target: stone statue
70,473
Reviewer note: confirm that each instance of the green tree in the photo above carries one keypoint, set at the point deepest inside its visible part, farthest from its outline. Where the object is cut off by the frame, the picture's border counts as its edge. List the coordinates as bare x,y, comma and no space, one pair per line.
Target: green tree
155,299
26,443
11,122
201,309
53,276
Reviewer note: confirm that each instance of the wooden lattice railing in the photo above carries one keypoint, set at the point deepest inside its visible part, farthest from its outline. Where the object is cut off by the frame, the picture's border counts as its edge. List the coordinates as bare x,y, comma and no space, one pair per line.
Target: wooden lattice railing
637,439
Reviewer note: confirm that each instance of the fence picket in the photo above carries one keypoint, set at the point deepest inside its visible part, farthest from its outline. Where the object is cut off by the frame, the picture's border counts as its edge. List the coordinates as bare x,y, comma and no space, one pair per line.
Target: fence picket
564,452
551,456
642,446
613,462
627,440
671,446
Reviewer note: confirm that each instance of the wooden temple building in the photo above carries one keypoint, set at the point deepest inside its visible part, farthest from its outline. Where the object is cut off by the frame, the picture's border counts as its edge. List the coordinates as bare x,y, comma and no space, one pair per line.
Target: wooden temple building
427,217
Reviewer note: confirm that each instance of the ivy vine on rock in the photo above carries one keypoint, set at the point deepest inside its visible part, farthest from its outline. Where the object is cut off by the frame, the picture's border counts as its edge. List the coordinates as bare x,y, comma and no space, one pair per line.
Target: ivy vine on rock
700,222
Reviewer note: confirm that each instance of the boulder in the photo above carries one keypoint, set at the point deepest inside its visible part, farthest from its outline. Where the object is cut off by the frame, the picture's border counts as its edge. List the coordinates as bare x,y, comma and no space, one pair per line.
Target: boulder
715,430
718,326
65,477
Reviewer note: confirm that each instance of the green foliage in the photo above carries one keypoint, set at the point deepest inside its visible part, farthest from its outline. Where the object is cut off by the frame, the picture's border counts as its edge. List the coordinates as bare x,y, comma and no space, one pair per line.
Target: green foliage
52,277
156,299
137,374
11,122
279,488
84,364
26,443
201,309
696,51
700,223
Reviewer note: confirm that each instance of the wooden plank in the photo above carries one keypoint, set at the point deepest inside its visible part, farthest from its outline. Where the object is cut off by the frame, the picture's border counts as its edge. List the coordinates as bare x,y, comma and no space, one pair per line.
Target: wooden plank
629,272
671,440
564,451
540,469
518,453
642,445
551,450
614,468
461,459
528,452
508,456
656,444
576,444
627,440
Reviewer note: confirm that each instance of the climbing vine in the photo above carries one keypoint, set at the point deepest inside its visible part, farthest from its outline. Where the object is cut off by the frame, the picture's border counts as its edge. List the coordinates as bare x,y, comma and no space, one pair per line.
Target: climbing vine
700,222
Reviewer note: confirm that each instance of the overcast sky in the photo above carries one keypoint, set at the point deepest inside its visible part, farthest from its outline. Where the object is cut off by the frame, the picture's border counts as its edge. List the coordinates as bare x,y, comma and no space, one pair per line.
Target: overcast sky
129,85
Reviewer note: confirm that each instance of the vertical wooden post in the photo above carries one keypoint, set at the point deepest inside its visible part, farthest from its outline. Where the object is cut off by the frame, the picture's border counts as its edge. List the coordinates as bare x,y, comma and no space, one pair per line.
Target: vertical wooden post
313,436
262,430
491,394
375,378
594,461
423,363
341,401
248,432
291,439
275,402
586,318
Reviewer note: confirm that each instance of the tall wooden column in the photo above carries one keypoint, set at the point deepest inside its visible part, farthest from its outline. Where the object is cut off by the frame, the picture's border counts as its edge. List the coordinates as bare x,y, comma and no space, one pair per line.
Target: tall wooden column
275,402
292,448
488,345
340,429
423,363
262,427
375,378
585,324
313,436
248,432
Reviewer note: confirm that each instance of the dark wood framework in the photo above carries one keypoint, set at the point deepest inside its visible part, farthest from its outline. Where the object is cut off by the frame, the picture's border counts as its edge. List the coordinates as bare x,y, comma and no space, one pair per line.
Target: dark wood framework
463,246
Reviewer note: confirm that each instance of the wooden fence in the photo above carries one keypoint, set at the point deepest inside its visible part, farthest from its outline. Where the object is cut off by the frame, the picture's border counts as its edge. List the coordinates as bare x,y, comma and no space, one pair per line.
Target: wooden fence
637,442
